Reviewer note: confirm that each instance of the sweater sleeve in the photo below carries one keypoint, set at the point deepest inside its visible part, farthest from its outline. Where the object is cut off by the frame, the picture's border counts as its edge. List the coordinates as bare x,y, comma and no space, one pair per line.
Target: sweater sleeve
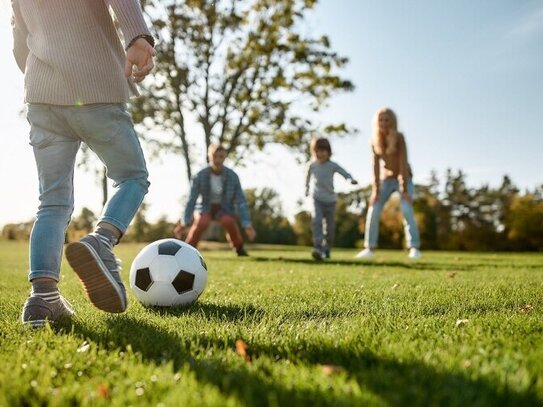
376,169
20,34
241,203
191,203
340,170
403,166
130,17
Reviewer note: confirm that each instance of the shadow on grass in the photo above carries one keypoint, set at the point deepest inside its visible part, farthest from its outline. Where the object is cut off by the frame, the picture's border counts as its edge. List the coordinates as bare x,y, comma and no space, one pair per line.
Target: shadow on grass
418,265
413,265
216,312
396,382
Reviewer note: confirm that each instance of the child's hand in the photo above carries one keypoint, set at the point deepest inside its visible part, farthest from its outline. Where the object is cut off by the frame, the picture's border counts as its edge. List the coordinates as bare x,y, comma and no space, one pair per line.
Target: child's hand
354,182
251,233
179,231
139,60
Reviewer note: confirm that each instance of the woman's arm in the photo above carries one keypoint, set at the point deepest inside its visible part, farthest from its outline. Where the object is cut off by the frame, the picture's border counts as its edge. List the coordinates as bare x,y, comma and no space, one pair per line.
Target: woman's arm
403,166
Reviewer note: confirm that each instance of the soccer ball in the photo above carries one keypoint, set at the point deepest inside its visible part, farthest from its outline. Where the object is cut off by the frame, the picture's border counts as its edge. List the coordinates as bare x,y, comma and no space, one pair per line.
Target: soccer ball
167,273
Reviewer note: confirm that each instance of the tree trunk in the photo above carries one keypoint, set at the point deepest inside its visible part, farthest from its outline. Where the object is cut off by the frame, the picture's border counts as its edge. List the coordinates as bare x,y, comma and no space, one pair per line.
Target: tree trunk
185,145
104,186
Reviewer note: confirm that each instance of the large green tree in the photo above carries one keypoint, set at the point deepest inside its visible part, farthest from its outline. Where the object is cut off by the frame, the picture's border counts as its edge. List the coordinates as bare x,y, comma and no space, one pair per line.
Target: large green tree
245,71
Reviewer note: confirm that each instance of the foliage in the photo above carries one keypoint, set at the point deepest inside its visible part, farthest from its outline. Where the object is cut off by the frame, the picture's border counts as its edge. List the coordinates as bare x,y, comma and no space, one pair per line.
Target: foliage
17,231
302,228
450,216
525,222
267,217
347,234
338,333
81,225
242,70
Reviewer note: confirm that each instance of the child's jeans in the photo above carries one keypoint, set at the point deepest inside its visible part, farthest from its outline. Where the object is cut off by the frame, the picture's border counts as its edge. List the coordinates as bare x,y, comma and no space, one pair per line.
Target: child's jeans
56,133
388,186
323,238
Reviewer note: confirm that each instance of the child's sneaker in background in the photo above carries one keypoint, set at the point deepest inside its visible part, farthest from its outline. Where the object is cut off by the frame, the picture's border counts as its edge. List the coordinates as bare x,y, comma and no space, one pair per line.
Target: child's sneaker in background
414,253
365,254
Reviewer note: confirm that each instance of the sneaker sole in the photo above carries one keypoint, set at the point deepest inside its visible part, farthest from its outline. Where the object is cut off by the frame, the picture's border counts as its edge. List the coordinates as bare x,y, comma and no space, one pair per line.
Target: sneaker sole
101,289
36,323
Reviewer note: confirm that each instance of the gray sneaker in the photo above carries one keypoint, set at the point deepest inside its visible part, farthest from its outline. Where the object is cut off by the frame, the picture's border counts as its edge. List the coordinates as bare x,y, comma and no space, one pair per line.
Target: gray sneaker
37,311
94,263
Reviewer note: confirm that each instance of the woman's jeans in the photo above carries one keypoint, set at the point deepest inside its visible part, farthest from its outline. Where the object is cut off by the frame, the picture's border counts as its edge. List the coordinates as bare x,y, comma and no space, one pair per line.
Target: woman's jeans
325,212
56,133
389,186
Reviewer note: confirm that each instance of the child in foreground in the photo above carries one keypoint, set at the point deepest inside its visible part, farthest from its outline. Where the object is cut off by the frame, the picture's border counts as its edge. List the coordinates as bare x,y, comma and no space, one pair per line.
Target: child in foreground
78,78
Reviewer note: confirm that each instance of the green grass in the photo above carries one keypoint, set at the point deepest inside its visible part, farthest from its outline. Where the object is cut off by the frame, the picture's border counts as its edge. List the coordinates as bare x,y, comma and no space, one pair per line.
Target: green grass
387,325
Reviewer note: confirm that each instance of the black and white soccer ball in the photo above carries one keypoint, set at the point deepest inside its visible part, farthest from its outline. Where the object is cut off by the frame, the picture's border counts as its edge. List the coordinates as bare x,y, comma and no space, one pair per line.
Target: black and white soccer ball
168,273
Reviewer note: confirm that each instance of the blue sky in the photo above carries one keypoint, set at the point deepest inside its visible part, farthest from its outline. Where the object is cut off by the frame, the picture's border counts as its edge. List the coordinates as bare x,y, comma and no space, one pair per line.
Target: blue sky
464,77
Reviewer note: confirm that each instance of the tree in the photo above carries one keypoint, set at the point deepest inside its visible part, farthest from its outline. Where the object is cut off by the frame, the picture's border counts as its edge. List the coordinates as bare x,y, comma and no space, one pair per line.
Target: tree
81,225
302,228
347,233
428,213
525,222
242,71
267,217
139,228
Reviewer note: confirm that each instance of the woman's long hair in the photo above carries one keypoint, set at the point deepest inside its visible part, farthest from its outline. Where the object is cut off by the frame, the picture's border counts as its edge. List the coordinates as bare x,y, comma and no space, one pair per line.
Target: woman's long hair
388,143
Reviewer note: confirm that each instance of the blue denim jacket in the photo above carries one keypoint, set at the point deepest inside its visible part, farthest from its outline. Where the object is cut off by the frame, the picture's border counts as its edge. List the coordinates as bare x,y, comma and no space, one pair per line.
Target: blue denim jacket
232,201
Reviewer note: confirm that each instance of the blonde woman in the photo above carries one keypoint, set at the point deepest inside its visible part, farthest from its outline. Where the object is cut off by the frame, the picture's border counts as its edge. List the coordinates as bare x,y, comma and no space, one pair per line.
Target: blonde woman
391,173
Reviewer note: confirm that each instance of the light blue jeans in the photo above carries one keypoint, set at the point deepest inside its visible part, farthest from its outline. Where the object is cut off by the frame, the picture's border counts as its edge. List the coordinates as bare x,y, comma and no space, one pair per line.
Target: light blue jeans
325,215
387,188
56,132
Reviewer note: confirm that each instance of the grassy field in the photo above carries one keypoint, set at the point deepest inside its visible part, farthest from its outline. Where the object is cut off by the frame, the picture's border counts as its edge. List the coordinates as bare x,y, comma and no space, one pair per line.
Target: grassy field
449,329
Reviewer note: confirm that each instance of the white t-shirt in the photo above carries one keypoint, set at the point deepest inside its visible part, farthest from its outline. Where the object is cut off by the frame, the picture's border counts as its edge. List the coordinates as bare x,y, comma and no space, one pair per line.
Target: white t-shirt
216,182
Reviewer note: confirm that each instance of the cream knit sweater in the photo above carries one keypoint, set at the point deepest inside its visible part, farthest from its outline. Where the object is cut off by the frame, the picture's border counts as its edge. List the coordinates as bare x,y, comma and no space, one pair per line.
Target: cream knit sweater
70,51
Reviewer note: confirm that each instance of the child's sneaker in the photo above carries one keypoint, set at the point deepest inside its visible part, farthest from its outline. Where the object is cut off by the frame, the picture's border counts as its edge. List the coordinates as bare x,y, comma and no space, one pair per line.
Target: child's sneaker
317,255
37,311
241,252
365,254
414,253
93,261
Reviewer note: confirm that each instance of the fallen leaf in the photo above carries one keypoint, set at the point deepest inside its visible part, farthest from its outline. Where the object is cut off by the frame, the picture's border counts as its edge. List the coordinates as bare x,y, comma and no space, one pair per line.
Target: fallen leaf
102,391
395,286
526,308
329,370
451,274
84,347
242,349
460,322
467,363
